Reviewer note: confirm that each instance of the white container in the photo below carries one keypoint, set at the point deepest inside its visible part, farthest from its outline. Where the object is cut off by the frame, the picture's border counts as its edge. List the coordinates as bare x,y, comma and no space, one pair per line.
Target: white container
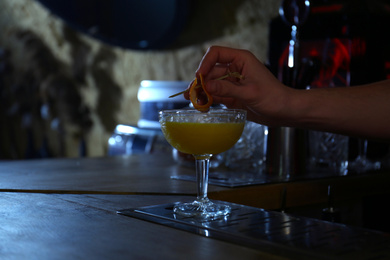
154,96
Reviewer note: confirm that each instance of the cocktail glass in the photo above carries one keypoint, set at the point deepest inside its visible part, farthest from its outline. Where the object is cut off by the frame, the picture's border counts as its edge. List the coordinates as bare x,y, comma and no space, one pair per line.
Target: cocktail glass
202,135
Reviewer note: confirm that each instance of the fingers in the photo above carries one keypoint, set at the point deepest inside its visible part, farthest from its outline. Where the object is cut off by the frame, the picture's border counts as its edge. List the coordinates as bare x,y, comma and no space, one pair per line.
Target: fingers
217,56
216,72
223,88
217,62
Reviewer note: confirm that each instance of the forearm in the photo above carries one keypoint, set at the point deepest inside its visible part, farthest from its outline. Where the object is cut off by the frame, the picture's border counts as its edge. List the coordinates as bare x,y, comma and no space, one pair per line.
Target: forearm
361,111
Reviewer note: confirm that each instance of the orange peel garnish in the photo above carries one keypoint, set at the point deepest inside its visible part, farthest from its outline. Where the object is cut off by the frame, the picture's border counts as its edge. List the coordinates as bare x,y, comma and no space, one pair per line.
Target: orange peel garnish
199,97
198,93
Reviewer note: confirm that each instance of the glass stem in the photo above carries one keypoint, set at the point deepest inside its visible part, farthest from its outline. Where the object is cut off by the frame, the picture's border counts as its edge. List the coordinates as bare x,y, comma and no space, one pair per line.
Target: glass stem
363,148
202,177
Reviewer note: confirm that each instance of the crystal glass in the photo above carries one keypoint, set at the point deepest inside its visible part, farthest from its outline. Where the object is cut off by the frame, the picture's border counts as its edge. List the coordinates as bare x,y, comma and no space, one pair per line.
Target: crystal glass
202,135
249,154
362,164
328,152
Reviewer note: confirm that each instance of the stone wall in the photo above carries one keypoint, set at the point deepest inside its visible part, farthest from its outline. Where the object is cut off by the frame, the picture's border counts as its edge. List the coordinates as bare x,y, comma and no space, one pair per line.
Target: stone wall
73,87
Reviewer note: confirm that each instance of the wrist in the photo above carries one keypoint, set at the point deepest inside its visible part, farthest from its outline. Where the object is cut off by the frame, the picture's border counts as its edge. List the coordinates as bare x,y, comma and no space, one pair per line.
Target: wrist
296,108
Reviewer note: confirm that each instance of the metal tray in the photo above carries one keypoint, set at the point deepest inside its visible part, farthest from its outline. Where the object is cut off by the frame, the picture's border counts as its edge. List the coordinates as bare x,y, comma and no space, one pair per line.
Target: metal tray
275,232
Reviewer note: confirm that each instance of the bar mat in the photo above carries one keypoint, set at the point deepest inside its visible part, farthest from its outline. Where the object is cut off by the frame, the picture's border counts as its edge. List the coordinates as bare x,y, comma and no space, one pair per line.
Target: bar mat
276,233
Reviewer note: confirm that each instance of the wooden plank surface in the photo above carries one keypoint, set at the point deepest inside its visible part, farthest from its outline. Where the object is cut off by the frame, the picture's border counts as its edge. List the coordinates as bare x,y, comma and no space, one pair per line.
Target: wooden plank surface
66,208
81,226
117,175
150,174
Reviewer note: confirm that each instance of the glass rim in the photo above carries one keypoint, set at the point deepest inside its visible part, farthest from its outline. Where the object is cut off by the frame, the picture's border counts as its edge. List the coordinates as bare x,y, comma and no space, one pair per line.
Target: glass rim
214,111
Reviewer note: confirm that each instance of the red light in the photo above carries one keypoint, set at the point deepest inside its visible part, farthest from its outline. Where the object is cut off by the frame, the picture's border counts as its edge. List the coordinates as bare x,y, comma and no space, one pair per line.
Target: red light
326,8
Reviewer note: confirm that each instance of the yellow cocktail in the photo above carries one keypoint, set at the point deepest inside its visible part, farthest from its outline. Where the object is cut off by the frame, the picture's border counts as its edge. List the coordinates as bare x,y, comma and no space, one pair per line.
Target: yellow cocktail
202,138
202,135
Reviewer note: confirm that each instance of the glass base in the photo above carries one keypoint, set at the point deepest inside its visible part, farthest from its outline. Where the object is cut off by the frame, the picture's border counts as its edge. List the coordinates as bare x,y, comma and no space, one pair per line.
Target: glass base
202,208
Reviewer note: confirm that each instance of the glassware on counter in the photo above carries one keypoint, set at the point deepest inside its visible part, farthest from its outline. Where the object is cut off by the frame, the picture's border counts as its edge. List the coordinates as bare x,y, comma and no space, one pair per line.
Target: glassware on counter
249,153
202,134
328,152
361,163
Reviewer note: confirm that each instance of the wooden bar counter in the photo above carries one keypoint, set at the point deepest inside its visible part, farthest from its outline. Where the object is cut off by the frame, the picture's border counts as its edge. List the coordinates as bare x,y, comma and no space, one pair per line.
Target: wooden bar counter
145,174
151,174
66,208
67,226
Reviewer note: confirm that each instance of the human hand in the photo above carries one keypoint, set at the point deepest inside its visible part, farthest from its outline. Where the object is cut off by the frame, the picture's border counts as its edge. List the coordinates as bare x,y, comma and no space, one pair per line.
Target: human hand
259,92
